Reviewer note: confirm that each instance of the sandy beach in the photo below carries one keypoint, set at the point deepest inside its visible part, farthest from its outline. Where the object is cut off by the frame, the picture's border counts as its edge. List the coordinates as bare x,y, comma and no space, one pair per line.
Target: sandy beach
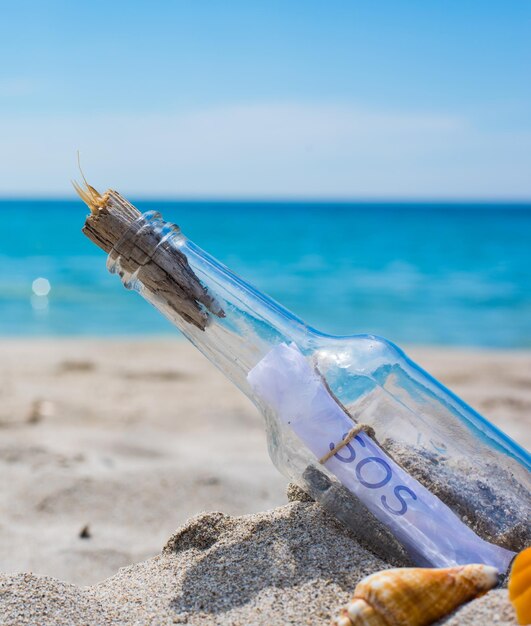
107,447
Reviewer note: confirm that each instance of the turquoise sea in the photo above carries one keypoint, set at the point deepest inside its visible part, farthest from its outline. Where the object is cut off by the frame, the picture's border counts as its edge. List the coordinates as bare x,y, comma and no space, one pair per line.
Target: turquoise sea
455,274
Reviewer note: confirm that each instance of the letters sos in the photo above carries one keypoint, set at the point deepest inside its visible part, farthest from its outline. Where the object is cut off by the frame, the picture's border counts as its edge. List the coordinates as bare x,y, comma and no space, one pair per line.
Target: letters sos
398,504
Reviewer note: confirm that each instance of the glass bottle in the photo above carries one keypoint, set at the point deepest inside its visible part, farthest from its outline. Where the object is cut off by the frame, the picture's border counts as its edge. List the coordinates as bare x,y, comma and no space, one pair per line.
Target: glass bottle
352,420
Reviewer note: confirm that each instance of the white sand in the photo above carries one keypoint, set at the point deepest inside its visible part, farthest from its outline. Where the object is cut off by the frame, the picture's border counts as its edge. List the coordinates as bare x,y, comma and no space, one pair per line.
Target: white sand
293,565
132,439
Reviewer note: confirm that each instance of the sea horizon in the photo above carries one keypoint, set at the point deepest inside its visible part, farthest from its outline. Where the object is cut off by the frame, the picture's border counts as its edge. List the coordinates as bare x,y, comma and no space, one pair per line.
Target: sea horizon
426,202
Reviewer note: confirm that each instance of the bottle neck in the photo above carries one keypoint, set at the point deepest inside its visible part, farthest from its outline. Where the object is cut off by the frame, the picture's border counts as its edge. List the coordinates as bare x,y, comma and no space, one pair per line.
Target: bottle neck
228,320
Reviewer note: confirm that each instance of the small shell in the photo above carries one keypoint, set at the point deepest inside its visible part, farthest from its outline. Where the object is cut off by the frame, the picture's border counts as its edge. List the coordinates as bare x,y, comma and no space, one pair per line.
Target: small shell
520,586
414,596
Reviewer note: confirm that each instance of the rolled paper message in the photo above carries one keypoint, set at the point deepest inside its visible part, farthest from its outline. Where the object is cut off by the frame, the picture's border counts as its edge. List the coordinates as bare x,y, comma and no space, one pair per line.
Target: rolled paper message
428,529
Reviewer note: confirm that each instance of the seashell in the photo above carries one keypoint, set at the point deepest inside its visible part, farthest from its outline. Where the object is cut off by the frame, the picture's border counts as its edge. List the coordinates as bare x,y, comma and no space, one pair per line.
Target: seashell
414,596
520,586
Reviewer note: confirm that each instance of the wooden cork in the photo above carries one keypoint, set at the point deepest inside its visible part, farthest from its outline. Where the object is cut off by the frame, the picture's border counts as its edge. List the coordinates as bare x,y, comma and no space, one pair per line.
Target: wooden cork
120,229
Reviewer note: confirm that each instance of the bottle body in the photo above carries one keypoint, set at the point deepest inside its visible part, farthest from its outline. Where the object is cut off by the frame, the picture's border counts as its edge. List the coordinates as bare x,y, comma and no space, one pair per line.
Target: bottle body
420,428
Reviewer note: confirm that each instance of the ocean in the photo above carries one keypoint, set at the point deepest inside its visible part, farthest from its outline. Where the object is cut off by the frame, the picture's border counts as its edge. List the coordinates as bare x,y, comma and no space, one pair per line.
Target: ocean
446,274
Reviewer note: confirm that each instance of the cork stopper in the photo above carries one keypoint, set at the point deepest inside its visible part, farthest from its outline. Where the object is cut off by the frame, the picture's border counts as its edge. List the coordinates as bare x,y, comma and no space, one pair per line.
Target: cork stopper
139,245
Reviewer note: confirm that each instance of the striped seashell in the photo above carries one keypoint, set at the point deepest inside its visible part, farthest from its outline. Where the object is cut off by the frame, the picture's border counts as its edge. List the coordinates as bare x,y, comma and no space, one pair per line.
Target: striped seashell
414,596
520,586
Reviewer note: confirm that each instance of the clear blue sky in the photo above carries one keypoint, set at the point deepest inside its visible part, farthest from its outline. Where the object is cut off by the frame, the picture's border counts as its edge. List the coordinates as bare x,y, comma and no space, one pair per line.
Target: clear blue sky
268,99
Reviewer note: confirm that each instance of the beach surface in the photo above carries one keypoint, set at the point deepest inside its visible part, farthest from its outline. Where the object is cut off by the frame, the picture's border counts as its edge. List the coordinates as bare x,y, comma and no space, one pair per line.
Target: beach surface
107,447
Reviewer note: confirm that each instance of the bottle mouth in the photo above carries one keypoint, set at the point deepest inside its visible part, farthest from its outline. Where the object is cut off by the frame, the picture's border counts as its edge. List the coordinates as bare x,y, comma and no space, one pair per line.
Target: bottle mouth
149,255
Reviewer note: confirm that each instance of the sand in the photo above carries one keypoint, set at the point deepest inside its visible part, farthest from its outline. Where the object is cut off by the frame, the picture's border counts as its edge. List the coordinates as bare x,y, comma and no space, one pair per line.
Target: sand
123,441
293,565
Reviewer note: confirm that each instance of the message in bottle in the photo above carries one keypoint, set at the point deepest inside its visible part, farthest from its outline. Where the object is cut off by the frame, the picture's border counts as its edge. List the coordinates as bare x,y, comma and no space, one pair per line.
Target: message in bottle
286,381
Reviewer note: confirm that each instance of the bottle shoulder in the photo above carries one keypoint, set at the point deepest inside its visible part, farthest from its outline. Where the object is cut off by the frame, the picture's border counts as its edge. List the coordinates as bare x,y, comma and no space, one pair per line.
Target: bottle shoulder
359,350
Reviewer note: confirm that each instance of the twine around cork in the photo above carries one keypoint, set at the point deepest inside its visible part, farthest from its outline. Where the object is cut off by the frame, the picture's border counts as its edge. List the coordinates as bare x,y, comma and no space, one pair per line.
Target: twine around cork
355,430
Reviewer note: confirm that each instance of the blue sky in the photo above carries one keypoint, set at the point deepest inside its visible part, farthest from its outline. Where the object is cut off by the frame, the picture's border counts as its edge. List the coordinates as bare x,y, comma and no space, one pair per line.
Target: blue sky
425,99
